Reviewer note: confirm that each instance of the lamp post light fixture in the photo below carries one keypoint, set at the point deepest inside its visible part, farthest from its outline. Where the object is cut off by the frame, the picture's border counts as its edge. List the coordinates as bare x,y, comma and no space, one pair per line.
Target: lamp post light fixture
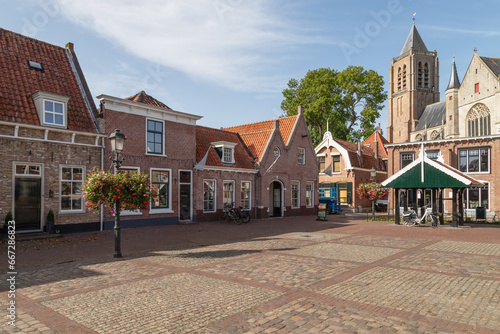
373,173
117,142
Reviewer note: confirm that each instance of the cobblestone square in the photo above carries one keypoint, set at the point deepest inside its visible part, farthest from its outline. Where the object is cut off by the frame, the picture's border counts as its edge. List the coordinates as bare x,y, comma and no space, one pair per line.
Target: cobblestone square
293,275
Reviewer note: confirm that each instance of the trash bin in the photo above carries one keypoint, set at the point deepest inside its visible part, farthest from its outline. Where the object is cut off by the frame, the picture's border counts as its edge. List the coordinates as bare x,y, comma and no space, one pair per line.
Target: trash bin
480,212
321,212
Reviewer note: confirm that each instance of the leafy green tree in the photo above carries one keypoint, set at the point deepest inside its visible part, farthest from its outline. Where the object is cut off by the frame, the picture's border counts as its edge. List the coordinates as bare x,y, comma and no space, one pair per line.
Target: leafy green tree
349,100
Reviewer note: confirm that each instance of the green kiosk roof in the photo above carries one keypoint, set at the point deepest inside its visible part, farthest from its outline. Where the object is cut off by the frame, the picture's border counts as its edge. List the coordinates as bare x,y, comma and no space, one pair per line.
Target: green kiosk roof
428,173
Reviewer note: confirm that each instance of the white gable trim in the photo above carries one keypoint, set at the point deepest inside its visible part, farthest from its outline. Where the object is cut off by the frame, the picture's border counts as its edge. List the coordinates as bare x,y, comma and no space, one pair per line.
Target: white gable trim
330,142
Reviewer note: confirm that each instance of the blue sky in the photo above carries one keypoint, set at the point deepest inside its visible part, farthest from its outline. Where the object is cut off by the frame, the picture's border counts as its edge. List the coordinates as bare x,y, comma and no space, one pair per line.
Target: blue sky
229,60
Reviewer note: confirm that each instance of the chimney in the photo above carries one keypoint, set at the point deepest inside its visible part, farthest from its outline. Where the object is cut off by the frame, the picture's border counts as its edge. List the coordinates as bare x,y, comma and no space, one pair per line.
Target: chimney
375,148
300,111
276,124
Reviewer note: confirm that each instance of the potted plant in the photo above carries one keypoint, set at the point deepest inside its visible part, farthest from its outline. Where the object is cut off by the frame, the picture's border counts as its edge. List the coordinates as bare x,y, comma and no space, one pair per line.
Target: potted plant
8,218
49,224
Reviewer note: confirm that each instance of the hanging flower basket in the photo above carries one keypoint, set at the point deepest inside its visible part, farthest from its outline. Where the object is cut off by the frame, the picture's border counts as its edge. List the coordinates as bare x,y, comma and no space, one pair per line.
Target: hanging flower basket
104,188
371,191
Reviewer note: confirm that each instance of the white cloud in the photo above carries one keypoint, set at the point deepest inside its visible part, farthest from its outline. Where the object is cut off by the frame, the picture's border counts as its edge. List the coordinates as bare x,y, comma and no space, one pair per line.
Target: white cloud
233,43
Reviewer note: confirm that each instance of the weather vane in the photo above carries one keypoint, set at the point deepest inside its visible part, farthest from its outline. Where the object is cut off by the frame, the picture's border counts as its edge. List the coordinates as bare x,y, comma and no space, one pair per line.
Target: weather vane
414,17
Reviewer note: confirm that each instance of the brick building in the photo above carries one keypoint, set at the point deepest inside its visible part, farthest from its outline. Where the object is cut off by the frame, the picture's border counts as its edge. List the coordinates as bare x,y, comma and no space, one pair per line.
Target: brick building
48,134
464,129
198,171
344,165
52,135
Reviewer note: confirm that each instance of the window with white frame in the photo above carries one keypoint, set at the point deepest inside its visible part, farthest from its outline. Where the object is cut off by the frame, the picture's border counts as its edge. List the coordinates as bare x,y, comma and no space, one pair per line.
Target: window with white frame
155,137
160,183
225,151
228,194
209,195
474,160
128,172
51,108
475,197
295,194
301,156
309,194
245,195
322,163
54,113
71,188
336,163
407,158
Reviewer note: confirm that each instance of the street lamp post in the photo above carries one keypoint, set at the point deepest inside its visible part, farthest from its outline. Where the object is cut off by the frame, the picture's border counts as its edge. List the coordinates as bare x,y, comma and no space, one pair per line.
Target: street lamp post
373,173
117,142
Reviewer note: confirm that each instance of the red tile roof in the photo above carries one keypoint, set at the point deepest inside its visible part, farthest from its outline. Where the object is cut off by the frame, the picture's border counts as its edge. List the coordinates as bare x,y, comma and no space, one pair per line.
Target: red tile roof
142,97
18,81
364,160
205,136
256,135
381,141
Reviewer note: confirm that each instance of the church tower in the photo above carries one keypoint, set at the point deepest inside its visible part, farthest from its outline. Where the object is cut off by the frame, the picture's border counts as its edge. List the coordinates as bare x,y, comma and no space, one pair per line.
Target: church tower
413,84
452,103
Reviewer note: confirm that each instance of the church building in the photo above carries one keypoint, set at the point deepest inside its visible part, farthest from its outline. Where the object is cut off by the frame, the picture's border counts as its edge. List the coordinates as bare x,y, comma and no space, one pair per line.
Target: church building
462,130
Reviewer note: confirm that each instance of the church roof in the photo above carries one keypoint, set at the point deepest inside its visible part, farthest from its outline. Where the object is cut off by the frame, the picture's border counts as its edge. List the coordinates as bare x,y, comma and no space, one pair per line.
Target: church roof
493,64
454,81
432,115
414,41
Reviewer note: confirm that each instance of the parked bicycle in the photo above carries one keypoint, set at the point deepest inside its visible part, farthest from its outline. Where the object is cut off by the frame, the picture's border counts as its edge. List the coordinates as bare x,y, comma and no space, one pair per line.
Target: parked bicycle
230,214
410,218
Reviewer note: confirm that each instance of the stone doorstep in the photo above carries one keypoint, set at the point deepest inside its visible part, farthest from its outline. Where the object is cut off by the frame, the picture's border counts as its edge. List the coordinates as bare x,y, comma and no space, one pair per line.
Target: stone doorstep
32,236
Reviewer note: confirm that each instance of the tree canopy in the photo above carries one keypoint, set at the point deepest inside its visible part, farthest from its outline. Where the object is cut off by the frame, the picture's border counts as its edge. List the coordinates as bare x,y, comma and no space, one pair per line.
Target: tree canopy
349,100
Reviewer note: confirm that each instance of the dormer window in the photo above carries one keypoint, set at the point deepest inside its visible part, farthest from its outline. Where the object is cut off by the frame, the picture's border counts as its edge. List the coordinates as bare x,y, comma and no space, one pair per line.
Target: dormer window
225,151
53,113
51,109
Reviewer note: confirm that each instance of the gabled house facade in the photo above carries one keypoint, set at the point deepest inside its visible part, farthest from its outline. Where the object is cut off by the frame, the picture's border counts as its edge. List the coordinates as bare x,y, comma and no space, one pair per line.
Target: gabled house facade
288,172
344,165
52,136
160,143
463,129
49,137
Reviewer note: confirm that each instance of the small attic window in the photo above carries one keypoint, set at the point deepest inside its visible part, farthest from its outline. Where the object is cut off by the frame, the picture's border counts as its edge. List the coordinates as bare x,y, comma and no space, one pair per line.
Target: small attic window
35,66
225,151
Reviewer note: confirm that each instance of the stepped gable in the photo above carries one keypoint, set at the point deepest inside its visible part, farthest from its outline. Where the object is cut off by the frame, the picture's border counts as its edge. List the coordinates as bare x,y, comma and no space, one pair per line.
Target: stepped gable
19,81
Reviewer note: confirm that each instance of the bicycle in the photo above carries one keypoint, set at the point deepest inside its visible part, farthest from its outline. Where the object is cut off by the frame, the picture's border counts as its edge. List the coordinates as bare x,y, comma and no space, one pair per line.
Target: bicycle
410,218
235,215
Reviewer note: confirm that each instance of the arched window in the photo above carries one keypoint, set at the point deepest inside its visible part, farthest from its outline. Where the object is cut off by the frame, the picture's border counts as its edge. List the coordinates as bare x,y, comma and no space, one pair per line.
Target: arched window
404,77
479,121
420,75
426,75
399,79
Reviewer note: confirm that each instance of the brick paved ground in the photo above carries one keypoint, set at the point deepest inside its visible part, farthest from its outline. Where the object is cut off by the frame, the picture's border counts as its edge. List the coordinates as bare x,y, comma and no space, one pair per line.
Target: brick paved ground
293,275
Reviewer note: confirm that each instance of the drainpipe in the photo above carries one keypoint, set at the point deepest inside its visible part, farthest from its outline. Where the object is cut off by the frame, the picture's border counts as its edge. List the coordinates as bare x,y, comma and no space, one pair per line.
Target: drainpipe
102,206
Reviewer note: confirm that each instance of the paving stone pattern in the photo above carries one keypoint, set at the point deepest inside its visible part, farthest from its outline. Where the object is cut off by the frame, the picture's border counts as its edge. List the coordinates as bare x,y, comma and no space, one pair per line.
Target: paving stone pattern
170,304
466,247
283,270
354,253
455,263
460,299
345,277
